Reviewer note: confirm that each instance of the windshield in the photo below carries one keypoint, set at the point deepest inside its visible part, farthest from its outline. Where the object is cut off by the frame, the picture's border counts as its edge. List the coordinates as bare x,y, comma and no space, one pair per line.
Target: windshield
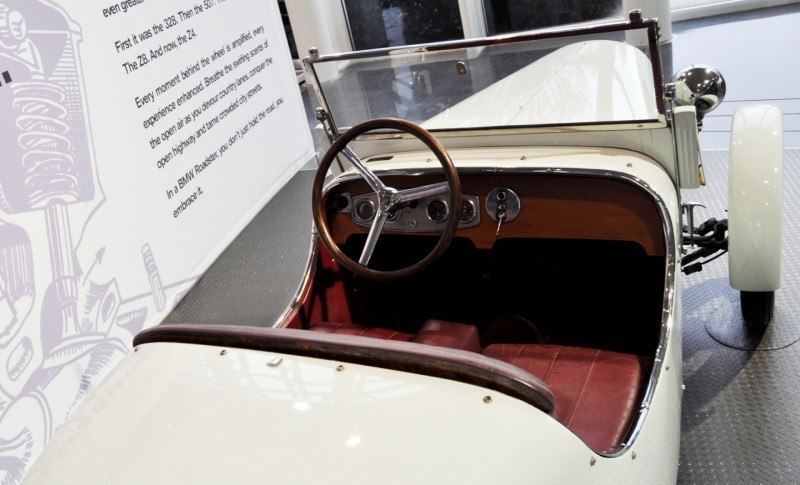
511,81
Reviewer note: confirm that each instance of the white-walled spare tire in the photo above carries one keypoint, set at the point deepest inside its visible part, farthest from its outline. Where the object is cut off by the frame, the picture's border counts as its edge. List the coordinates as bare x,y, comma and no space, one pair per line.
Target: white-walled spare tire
755,208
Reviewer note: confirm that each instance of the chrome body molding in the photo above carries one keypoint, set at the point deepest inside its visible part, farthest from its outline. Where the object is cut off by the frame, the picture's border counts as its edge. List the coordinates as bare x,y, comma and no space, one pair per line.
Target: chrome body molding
305,283
668,314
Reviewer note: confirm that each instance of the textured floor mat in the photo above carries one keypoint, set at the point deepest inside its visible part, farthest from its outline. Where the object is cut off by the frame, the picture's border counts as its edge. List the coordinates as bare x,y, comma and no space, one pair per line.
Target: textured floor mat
257,276
741,419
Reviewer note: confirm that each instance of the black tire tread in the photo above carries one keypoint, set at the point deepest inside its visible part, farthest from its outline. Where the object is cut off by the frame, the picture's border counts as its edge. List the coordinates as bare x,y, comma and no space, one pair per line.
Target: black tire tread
757,307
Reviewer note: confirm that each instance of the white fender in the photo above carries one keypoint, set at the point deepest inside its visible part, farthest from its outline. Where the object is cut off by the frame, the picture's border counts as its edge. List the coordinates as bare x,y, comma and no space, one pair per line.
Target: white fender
755,199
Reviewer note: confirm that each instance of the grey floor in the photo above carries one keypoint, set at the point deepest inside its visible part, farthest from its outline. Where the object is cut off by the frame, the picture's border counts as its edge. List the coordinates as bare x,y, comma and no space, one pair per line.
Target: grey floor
741,408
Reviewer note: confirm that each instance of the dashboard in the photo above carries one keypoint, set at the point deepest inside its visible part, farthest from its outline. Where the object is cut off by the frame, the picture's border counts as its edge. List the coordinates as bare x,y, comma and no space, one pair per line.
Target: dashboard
533,205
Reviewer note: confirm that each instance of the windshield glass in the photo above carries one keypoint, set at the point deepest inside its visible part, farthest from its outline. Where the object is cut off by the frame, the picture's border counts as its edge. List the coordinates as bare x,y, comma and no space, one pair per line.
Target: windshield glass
496,82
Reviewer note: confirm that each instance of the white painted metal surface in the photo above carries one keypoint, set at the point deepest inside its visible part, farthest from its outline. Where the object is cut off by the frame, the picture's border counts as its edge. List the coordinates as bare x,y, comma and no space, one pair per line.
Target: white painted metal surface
612,160
179,413
687,147
595,81
755,198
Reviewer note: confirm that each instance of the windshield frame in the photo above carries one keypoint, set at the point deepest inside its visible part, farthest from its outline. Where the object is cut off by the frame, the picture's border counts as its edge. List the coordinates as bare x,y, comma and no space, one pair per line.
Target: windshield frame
634,22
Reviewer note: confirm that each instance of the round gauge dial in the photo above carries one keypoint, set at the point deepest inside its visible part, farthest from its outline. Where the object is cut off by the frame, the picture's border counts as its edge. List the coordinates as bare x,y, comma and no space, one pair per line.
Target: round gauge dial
365,210
437,210
468,211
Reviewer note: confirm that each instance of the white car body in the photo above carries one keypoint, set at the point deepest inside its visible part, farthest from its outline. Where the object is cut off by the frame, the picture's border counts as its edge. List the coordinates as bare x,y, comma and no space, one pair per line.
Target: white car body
187,413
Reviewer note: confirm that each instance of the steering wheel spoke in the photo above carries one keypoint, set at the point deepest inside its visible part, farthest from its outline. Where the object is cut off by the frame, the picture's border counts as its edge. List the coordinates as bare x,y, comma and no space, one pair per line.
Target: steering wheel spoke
372,179
372,238
408,195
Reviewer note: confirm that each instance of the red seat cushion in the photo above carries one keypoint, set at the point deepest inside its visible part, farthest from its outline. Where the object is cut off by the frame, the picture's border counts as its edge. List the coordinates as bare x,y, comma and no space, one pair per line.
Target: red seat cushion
596,391
360,330
453,335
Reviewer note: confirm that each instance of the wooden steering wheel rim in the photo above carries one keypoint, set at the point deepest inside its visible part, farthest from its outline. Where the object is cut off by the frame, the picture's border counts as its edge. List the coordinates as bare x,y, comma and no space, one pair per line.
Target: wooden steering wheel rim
318,207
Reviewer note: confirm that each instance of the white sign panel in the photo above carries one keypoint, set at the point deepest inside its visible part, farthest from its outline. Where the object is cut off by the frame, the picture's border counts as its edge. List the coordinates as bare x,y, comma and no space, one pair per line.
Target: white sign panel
137,138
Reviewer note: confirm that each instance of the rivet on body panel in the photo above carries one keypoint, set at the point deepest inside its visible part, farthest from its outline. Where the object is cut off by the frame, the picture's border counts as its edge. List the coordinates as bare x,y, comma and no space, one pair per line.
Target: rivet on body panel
487,399
592,461
633,455
629,165
136,349
223,352
523,157
274,362
339,368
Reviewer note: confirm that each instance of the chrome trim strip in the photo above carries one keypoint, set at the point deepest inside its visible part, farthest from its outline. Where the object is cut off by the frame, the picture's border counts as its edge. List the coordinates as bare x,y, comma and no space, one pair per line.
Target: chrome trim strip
667,316
311,269
530,35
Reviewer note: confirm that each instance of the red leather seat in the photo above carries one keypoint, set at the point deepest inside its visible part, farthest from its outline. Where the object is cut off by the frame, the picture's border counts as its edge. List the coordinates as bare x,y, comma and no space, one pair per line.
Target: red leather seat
454,335
596,391
360,330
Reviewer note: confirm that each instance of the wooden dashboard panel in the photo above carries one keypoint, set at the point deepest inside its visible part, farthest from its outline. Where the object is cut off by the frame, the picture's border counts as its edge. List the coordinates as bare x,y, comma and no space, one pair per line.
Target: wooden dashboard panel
552,206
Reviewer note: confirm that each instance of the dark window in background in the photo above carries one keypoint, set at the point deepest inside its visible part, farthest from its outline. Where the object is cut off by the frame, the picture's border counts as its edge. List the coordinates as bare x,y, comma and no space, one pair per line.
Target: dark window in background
503,16
388,23
287,26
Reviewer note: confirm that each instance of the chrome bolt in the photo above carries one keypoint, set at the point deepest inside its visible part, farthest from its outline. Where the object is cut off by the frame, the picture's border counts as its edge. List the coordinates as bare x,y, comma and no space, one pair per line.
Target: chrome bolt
487,399
339,368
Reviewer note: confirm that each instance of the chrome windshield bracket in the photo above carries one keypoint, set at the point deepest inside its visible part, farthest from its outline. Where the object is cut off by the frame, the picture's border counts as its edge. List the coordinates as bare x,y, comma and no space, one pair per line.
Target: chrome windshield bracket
325,119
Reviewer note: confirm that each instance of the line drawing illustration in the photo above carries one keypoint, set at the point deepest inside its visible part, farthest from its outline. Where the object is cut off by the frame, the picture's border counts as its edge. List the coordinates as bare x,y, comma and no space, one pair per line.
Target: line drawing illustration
62,324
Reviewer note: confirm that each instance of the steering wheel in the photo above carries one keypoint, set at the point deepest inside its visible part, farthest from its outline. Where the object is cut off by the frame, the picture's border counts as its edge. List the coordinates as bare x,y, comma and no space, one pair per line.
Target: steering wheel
388,199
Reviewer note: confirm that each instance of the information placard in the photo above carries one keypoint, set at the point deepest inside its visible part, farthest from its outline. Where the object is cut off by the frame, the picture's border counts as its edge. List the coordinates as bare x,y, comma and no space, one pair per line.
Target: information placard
137,138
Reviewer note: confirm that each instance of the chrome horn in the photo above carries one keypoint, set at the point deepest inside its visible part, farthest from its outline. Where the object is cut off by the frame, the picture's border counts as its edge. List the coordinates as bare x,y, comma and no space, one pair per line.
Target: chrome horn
698,85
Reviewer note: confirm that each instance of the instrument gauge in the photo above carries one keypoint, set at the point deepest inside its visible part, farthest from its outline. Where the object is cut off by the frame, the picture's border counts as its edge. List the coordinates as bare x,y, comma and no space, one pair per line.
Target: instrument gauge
468,211
437,210
365,210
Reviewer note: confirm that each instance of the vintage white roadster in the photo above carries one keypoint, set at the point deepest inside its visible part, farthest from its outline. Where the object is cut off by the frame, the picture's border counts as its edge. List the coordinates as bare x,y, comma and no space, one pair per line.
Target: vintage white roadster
493,290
